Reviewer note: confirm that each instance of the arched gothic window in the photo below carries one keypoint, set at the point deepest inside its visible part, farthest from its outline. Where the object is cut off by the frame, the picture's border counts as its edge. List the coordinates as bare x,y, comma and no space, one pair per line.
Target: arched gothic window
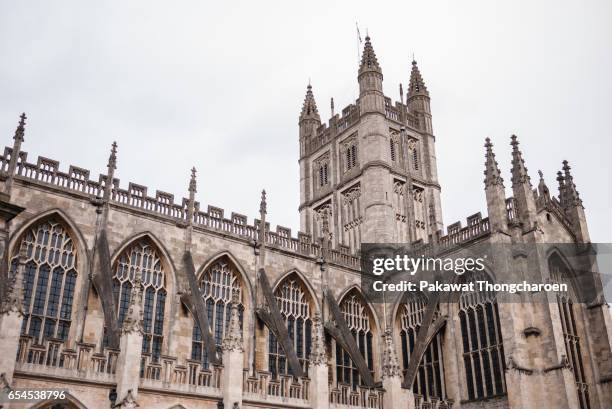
49,281
295,308
359,321
142,258
483,350
216,285
429,381
560,273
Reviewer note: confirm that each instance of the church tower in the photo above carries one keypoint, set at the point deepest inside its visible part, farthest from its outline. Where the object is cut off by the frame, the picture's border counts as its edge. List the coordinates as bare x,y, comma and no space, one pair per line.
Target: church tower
369,175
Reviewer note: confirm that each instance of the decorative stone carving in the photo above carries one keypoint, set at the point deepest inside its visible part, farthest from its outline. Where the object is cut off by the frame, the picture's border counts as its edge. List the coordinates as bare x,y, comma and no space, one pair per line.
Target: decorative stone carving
233,337
318,355
128,402
133,319
14,293
390,365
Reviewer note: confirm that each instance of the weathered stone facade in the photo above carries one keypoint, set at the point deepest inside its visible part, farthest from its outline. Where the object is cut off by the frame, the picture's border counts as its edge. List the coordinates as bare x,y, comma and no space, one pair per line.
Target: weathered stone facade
105,289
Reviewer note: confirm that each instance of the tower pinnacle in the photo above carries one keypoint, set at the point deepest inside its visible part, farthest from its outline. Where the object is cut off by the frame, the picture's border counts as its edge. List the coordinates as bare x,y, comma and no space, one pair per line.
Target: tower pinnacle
519,171
416,85
492,174
369,62
309,108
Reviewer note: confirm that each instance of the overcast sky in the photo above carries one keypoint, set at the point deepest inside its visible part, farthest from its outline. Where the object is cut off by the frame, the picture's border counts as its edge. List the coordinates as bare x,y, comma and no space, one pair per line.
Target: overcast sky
219,85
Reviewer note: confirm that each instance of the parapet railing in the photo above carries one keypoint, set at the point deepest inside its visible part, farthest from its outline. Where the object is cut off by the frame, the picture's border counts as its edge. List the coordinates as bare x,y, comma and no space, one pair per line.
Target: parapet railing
191,376
281,389
54,357
361,397
421,402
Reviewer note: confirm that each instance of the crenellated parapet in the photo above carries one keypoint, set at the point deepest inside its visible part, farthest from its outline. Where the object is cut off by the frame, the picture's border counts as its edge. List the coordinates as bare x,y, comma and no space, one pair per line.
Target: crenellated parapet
77,181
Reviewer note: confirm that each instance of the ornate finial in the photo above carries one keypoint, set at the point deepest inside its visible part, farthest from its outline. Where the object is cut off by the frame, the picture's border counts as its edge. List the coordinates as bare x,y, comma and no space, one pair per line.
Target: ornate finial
133,319
112,159
492,174
263,205
233,337
390,365
542,188
519,171
401,89
318,354
192,181
332,107
309,108
20,131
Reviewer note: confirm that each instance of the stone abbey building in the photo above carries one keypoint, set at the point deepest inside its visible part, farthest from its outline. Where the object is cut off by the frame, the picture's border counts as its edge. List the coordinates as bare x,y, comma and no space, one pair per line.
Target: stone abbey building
127,297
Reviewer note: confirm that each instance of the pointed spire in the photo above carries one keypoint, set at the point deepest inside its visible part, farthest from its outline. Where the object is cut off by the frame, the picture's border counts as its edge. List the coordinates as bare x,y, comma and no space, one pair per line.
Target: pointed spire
309,108
110,174
519,171
332,107
233,336
390,365
416,85
369,62
20,131
571,194
492,174
401,89
318,354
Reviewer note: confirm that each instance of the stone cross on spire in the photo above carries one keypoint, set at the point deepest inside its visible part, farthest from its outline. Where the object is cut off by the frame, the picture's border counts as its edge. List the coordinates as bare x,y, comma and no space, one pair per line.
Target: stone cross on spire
416,86
519,171
492,173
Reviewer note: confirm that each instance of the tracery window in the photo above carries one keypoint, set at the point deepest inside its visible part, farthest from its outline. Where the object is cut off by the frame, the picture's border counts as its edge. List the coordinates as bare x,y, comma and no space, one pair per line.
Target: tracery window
216,284
142,258
358,320
483,350
295,308
568,309
429,380
49,281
